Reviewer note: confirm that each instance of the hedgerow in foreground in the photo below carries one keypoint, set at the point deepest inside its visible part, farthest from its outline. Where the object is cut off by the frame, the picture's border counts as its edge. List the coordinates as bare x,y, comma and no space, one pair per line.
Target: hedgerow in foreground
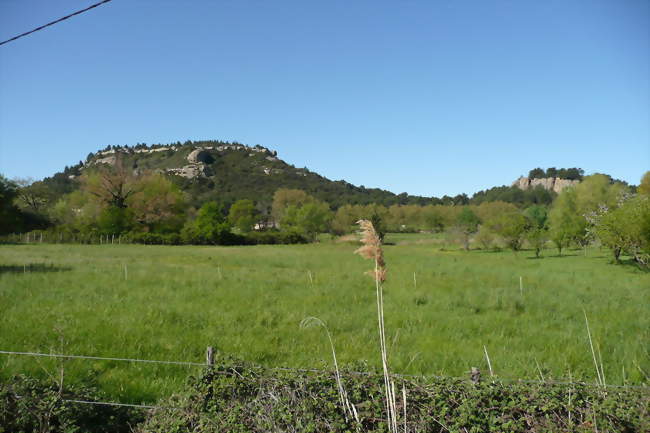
31,405
251,399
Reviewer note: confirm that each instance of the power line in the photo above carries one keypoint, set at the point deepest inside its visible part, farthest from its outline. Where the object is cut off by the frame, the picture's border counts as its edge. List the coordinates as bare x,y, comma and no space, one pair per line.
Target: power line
54,22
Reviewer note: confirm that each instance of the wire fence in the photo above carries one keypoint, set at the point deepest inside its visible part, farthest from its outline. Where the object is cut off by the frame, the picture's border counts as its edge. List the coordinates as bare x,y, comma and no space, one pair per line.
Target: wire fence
314,370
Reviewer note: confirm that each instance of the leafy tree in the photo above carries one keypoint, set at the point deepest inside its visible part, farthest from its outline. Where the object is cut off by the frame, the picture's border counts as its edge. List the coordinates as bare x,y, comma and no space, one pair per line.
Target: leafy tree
33,196
115,220
644,186
511,226
156,204
432,219
242,214
209,226
537,232
284,197
345,218
536,173
625,229
566,224
310,219
485,237
10,216
467,223
111,185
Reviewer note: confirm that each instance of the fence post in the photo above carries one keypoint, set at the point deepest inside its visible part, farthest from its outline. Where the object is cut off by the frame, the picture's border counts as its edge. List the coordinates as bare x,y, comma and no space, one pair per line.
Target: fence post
209,356
475,375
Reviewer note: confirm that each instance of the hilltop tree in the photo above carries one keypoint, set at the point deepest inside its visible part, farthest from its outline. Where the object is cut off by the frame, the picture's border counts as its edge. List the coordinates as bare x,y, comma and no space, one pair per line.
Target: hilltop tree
536,173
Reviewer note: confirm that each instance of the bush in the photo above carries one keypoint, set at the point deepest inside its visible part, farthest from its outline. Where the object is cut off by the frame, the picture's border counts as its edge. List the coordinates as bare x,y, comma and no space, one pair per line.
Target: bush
28,405
273,237
152,238
235,398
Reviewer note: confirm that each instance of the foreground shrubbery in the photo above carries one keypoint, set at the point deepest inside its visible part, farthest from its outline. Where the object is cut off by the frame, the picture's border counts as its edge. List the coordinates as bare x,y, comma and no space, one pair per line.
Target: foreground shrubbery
232,398
28,405
236,398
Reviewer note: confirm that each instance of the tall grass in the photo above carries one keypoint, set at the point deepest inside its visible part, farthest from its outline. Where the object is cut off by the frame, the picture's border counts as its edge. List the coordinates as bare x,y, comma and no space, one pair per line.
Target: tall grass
462,302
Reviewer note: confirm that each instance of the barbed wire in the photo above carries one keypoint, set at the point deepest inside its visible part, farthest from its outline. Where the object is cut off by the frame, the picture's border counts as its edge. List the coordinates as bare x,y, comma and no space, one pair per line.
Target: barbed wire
315,370
55,21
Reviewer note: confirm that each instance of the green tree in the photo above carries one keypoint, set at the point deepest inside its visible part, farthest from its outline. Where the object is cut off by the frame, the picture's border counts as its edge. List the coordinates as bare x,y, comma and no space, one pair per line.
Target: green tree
537,231
209,226
310,219
565,223
644,186
243,215
432,219
625,229
511,226
157,204
345,219
115,220
467,223
10,216
285,197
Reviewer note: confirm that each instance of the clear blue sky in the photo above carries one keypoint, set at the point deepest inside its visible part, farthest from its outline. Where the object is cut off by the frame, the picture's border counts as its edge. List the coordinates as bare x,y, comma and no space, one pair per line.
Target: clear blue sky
427,97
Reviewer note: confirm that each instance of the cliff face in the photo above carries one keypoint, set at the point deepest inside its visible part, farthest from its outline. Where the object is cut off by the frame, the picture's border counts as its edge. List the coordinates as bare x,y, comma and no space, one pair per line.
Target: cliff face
549,183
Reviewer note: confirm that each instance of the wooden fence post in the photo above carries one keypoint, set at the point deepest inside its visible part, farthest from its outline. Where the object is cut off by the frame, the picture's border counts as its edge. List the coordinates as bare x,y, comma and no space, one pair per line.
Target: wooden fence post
209,356
475,375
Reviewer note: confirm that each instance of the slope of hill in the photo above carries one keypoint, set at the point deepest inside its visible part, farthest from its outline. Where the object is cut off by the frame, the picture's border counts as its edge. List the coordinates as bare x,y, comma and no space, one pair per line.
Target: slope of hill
226,172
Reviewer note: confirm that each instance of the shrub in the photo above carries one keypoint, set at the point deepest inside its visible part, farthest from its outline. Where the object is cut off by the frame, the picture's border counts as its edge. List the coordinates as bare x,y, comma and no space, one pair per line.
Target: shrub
29,405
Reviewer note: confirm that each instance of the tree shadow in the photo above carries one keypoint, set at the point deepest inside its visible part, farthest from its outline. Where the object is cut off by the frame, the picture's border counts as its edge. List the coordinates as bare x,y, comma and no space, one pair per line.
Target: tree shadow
32,267
631,263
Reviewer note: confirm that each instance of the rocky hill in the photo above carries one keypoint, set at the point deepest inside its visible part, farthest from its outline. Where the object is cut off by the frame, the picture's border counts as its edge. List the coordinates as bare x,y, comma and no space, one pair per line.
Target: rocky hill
554,184
226,172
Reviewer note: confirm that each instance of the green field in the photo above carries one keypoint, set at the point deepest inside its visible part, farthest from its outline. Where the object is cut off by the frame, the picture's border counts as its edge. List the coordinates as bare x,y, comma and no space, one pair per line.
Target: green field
248,302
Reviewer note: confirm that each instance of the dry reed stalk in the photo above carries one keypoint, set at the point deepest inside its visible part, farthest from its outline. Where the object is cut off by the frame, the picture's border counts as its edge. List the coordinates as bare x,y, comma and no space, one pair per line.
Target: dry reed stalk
593,353
600,358
348,408
488,361
372,250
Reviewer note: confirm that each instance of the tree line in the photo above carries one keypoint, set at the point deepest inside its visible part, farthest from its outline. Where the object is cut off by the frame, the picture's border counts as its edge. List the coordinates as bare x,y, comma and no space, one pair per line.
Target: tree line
150,207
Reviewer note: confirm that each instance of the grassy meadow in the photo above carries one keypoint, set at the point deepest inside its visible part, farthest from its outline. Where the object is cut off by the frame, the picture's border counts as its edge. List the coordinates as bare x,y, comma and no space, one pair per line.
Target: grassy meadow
442,306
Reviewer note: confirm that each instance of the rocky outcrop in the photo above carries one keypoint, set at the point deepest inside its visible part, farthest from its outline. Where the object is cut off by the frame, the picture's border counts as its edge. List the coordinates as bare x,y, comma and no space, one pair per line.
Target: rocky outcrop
190,171
109,160
549,183
200,155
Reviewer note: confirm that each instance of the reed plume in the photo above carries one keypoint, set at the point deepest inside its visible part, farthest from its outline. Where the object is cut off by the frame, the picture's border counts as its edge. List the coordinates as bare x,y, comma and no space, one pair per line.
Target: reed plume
372,250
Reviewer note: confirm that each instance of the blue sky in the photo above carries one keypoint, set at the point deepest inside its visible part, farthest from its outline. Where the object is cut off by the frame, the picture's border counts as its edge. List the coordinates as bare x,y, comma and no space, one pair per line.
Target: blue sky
425,97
